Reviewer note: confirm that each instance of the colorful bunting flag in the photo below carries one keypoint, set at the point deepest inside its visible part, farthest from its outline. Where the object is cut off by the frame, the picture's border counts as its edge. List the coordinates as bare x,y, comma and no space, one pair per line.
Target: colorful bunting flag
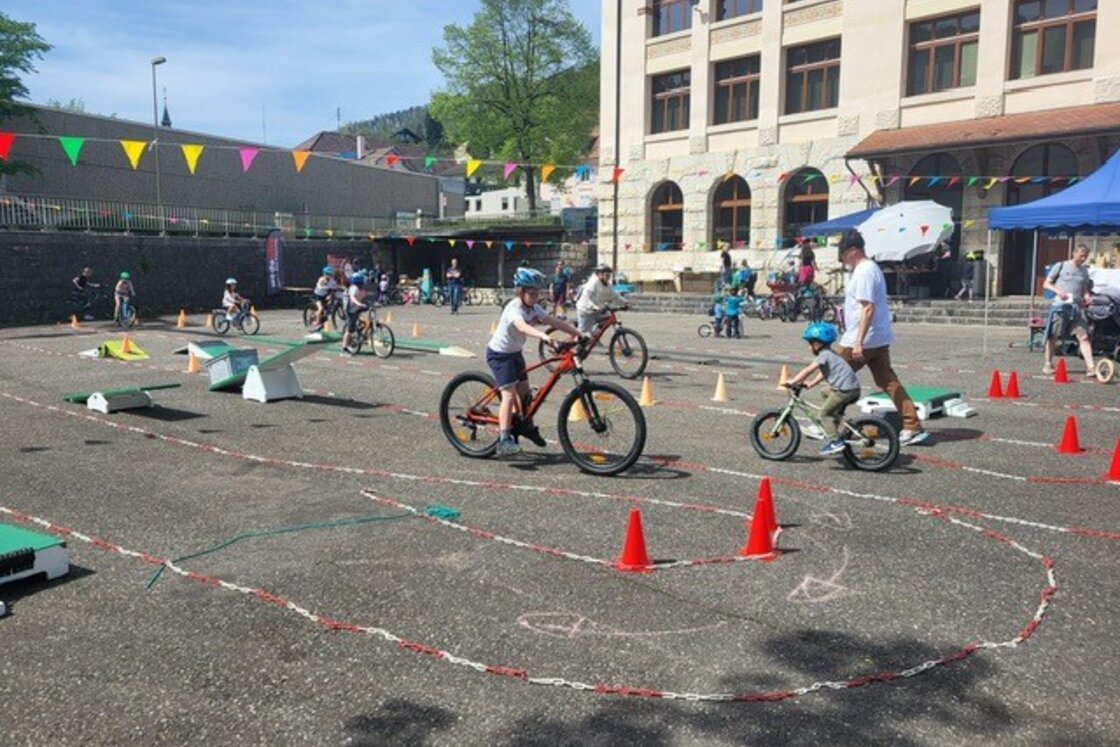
509,246
72,147
6,140
134,149
782,177
971,181
451,242
429,162
391,160
411,240
954,182
472,166
469,243
546,171
192,153
924,229
489,244
617,175
507,172
300,157
933,180
894,180
248,155
968,223
914,180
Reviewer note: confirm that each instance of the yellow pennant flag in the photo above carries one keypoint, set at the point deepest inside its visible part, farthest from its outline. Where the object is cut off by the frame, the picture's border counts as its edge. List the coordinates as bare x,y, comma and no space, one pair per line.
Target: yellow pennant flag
546,171
134,149
191,154
300,157
472,166
451,242
833,178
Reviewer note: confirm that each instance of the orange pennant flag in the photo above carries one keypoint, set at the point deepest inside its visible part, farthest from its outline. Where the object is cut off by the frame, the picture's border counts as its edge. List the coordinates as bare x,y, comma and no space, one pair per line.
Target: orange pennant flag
300,157
546,171
472,166
134,149
191,153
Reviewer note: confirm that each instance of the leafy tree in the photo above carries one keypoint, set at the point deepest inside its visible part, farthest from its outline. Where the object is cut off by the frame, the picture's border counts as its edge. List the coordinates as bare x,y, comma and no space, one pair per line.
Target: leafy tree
522,84
20,45
78,106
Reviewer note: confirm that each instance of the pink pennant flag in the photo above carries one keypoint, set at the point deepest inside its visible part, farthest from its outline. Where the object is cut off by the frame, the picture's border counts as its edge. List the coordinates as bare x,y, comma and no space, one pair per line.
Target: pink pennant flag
508,171
6,140
411,240
628,246
893,181
248,155
469,243
853,180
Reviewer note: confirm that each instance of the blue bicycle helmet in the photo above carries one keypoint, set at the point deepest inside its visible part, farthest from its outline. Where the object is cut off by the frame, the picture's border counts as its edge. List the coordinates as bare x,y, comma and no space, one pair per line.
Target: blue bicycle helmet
821,332
358,279
328,270
527,277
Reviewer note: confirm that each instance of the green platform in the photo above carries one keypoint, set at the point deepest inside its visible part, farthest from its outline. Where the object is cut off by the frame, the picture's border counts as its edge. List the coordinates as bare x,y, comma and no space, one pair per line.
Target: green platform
80,398
24,553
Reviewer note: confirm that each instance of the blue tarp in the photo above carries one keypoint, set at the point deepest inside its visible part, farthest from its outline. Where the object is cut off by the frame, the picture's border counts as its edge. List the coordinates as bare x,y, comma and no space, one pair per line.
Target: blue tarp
837,225
1091,204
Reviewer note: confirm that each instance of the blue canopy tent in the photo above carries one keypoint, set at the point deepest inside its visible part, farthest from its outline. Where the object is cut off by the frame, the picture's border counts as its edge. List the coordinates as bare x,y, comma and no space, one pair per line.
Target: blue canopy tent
837,225
1090,206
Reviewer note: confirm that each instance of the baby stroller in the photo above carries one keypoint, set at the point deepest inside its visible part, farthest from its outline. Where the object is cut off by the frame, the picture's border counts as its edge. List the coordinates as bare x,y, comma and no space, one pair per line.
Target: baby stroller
1103,314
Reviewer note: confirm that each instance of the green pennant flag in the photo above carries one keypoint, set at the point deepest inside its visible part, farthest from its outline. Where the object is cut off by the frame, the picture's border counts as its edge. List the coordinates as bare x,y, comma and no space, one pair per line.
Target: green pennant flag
429,161
972,180
73,147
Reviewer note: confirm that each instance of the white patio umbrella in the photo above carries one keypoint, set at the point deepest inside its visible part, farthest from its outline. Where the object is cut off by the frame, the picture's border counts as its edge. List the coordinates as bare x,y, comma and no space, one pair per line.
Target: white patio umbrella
906,230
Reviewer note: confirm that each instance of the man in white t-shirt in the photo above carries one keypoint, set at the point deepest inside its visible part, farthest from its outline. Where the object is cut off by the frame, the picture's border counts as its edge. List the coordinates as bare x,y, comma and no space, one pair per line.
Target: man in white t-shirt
868,337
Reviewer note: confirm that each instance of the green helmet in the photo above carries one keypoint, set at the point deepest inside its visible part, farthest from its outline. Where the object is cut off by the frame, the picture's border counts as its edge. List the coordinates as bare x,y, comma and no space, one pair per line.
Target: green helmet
125,275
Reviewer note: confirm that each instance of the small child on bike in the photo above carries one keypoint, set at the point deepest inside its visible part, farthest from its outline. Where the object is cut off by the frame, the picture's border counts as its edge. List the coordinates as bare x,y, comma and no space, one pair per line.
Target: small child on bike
325,287
123,290
843,386
506,361
356,305
594,297
232,301
81,283
732,309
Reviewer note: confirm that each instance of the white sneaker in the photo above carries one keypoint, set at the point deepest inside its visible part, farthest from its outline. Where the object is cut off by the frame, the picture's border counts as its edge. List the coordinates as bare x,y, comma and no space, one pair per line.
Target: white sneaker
909,438
814,431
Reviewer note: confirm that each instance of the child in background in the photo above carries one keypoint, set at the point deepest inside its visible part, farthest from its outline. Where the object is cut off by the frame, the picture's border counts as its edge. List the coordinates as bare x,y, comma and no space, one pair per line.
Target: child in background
231,299
732,308
356,305
383,291
123,290
325,287
719,307
843,386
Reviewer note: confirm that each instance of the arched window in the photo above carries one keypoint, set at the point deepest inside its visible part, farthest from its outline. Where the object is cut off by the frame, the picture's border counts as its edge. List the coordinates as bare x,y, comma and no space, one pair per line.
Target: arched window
731,207
805,201
667,217
944,167
1049,160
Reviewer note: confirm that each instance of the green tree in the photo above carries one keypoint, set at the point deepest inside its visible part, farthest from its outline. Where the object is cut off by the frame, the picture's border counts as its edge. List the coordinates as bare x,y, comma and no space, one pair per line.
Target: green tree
20,45
521,84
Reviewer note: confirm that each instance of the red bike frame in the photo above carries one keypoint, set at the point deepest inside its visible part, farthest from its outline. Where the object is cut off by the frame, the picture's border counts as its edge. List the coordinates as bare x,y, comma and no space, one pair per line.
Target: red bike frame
568,361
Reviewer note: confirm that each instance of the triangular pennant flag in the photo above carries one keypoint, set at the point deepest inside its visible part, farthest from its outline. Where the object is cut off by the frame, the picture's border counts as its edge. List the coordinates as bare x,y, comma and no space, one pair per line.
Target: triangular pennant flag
411,240
508,170
808,178
6,140
968,223
902,229
431,239
192,153
700,245
429,162
248,155
914,180
134,149
1042,180
472,166
778,243
954,182
509,246
546,171
933,180
489,244
528,244
924,228
971,181
616,175
853,180
391,160
469,243
783,177
874,178
451,242
893,181
583,172
663,246
1072,180
300,157
73,147
833,178
1004,179
628,246
991,183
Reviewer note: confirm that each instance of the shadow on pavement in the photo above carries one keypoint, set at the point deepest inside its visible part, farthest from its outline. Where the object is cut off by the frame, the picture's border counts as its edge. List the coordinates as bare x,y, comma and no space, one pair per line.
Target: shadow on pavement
15,591
398,722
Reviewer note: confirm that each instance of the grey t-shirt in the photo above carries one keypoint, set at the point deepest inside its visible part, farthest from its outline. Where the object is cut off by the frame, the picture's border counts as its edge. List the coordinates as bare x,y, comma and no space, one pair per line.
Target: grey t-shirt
837,372
1069,278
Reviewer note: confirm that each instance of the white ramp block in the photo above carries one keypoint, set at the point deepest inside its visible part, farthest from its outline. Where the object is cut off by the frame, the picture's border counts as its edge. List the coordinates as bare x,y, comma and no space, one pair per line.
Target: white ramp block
113,401
271,384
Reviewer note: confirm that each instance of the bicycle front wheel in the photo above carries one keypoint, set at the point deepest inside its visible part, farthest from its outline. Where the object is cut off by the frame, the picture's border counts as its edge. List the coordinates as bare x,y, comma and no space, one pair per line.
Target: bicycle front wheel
628,353
310,315
875,447
468,414
383,341
128,316
773,438
250,325
704,330
601,428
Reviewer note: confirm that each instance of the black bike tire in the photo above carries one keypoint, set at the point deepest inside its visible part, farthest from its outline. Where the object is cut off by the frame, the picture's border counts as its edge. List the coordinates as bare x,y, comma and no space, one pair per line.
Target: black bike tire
130,322
586,391
622,334
761,420
704,330
381,352
221,324
310,315
892,452
250,320
444,417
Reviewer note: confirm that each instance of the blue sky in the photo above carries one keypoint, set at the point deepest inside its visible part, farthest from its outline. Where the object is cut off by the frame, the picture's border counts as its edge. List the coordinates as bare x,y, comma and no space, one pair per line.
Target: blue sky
225,60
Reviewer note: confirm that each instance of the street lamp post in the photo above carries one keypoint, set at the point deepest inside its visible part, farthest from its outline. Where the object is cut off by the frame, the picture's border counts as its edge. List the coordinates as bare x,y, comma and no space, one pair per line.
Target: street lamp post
155,140
617,126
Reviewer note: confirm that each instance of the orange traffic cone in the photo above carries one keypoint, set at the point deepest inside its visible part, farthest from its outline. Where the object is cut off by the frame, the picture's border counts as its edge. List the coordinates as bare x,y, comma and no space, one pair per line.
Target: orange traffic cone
1061,376
388,317
126,346
74,322
327,326
721,390
1114,471
1013,386
577,412
646,399
995,389
182,323
193,366
634,558
1070,443
783,378
416,329
210,321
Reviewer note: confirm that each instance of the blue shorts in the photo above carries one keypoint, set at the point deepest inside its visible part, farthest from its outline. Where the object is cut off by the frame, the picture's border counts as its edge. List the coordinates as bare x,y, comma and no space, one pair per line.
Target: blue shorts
508,368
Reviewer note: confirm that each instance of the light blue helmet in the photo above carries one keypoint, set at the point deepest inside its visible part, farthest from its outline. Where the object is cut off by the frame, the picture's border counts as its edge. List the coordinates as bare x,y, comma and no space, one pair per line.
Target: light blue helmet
328,270
527,277
821,332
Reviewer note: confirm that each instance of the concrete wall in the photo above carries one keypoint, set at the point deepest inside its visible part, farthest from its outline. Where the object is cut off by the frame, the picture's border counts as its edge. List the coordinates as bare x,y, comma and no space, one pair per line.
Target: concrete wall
326,186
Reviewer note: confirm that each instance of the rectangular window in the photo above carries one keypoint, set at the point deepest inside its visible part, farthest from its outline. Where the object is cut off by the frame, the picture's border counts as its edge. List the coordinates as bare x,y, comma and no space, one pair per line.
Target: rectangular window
505,204
943,53
813,77
670,101
1052,36
734,8
736,90
670,16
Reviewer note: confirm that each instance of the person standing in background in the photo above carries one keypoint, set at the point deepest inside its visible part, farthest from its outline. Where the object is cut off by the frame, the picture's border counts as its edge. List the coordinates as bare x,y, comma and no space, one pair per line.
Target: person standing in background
454,278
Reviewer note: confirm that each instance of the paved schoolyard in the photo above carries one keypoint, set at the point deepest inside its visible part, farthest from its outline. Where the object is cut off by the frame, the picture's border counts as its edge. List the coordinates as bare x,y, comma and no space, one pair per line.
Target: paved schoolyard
370,624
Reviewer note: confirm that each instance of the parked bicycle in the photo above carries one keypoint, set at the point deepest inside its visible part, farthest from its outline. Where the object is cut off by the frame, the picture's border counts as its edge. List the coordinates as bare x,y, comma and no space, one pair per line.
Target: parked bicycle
600,425
627,349
378,335
870,443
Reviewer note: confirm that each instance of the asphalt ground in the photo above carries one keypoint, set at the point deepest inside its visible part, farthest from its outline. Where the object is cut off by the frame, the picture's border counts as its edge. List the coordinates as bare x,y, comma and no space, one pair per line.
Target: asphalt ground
880,573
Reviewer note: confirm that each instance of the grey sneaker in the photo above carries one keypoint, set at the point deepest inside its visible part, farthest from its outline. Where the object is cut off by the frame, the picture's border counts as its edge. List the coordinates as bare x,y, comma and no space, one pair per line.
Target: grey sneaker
508,447
909,438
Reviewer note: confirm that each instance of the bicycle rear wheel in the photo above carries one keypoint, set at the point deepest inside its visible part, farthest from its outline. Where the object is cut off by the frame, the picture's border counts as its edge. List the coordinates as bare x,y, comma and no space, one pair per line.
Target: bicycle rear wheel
875,449
628,353
383,341
601,428
221,324
704,330
310,315
468,414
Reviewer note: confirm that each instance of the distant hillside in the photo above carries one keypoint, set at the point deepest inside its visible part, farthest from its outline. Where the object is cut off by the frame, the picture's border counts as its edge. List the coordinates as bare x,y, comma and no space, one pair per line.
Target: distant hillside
383,127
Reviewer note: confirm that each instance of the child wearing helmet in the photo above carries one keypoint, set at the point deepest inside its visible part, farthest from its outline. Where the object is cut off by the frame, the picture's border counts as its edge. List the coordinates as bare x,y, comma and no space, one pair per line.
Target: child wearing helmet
843,386
231,299
356,305
732,308
506,361
325,287
123,290
595,295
